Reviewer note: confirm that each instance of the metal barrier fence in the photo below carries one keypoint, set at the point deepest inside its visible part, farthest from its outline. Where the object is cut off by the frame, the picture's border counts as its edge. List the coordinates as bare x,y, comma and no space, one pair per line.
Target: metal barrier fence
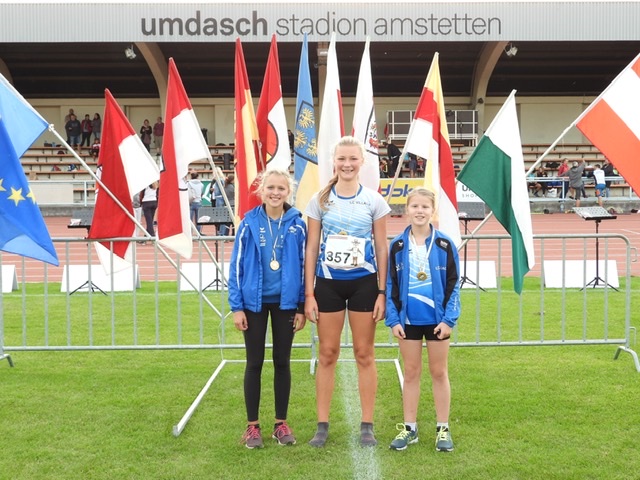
564,302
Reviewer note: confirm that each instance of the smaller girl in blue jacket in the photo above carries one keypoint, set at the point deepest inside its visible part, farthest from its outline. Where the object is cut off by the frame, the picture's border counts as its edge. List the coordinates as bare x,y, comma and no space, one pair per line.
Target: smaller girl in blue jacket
266,279
423,301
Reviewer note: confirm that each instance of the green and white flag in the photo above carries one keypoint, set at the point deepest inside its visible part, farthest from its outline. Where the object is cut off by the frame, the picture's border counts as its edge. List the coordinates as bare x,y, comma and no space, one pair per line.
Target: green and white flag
495,172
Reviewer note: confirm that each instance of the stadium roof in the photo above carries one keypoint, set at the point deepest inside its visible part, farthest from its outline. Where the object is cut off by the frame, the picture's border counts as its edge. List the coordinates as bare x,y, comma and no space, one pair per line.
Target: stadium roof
84,70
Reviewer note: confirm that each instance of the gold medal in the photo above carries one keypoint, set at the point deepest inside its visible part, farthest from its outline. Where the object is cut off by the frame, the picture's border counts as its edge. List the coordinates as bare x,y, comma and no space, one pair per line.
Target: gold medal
422,276
274,264
342,232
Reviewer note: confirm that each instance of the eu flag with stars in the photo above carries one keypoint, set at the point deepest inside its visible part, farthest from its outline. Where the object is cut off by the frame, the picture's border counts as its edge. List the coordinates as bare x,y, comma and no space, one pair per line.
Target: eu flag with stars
22,228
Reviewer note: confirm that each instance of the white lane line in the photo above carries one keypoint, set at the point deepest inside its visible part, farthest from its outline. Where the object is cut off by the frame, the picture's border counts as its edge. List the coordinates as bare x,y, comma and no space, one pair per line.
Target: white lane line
364,459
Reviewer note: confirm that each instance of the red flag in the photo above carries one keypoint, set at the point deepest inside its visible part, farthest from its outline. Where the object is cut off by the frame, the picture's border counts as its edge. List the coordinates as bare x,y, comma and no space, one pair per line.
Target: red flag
429,138
182,144
246,139
612,123
271,120
126,169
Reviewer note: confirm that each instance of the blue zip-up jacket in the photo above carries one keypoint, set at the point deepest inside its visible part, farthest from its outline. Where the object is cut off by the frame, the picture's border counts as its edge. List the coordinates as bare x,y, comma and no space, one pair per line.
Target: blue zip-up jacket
444,267
245,270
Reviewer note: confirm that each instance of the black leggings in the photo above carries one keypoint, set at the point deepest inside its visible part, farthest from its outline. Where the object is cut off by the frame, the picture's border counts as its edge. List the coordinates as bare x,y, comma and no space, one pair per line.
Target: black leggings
254,340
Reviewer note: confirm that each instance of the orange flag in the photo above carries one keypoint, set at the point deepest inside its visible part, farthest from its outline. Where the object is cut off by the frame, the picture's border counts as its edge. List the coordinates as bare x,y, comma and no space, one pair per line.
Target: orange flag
246,140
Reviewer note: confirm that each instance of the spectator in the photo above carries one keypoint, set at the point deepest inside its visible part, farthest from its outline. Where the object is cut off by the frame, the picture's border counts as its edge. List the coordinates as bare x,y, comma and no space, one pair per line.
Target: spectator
67,118
149,202
598,175
145,134
575,180
383,168
563,174
413,165
609,171
137,211
96,126
74,130
158,133
95,148
393,152
86,128
218,200
291,140
539,187
215,191
194,187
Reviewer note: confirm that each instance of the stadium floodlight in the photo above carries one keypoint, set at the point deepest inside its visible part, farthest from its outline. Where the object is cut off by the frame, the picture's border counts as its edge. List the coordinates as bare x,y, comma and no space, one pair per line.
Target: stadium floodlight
511,51
129,53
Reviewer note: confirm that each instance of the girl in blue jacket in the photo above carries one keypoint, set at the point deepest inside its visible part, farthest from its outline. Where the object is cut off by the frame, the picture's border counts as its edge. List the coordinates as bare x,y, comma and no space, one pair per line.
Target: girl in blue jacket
423,301
266,279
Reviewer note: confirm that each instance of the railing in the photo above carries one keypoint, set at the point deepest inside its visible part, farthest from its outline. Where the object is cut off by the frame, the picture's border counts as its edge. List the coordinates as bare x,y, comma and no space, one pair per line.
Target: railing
54,314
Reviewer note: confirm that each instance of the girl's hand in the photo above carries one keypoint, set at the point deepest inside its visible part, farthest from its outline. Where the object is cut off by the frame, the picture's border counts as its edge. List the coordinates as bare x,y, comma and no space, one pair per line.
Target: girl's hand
240,320
299,322
379,308
311,309
398,332
442,331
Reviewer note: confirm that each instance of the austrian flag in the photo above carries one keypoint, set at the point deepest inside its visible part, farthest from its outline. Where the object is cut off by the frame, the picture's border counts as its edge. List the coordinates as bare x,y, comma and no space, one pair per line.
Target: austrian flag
182,144
612,123
127,168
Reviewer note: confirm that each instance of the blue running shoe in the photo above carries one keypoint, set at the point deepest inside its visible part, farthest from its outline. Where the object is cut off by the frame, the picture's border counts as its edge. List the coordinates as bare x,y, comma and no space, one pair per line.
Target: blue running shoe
444,443
405,438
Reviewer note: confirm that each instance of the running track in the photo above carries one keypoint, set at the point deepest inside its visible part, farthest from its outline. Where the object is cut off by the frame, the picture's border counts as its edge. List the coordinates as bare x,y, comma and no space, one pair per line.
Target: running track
628,225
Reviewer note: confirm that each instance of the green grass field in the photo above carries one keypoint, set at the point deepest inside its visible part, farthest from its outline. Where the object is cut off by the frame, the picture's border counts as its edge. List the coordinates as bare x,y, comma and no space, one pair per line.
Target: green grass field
560,412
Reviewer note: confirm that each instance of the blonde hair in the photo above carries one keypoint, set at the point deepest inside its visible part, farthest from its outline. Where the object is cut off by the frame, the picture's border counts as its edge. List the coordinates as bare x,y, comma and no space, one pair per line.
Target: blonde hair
262,180
423,192
346,141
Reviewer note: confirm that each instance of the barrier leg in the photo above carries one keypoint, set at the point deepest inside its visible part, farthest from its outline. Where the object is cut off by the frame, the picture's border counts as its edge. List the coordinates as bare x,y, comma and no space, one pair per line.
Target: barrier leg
633,354
8,357
177,429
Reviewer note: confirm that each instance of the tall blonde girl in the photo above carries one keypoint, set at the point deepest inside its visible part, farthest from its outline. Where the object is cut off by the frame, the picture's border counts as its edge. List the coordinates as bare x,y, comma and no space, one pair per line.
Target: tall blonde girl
346,270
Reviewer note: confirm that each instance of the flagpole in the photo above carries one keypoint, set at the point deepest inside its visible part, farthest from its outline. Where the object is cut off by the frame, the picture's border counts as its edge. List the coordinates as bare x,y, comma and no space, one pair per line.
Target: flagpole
131,217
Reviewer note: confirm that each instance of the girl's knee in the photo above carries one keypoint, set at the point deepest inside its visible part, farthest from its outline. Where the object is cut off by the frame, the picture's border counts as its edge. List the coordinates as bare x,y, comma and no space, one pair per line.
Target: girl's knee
328,356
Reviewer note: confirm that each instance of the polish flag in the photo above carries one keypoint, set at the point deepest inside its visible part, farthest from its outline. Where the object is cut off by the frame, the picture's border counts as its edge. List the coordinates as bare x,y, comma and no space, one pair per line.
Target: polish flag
364,124
272,122
331,128
126,169
182,144
429,138
246,140
612,123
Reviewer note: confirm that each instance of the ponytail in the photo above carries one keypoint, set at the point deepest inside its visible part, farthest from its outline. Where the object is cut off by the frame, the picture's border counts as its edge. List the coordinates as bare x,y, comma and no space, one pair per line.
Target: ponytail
323,197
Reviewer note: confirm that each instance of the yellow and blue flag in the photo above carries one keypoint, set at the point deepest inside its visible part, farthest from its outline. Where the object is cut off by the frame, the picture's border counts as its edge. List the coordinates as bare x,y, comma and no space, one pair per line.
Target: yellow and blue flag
22,228
305,146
